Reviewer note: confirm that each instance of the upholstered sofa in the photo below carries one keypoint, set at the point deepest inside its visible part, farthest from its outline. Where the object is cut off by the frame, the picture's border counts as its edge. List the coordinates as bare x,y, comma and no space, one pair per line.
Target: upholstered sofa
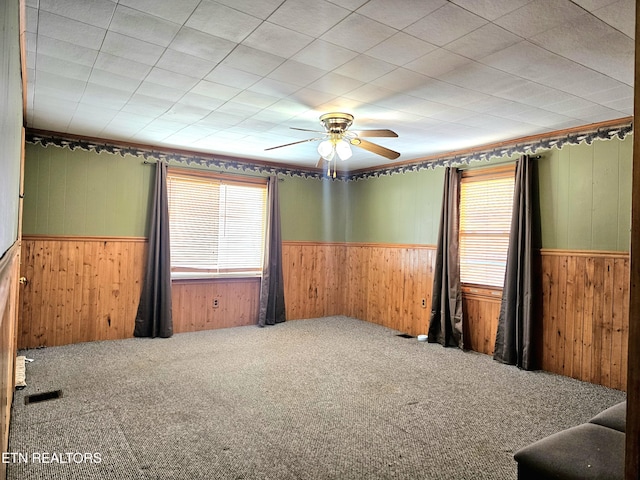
593,450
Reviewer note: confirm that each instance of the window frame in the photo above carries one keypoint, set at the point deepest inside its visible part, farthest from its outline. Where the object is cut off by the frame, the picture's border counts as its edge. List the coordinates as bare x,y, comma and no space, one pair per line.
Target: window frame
477,175
202,274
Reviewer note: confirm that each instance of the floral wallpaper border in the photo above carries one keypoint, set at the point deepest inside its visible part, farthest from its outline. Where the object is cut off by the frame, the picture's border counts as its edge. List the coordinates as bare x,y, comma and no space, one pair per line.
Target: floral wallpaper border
246,166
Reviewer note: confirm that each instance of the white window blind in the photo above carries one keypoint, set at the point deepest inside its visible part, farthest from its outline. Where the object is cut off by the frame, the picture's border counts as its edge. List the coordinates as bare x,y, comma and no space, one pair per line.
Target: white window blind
216,226
486,201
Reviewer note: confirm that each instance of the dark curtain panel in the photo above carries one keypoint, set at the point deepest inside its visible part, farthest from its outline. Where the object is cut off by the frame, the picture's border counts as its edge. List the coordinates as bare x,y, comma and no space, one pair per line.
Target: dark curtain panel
445,325
154,309
272,309
514,338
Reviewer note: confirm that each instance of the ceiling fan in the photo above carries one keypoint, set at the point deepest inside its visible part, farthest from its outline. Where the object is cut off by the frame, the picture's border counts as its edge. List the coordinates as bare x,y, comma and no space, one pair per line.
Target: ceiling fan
337,140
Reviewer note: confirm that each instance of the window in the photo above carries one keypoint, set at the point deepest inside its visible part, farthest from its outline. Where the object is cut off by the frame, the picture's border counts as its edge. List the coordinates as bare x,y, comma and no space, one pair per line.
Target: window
486,201
216,225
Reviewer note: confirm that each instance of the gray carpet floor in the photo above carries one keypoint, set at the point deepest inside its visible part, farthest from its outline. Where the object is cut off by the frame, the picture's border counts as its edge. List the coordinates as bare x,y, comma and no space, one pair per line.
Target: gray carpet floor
330,398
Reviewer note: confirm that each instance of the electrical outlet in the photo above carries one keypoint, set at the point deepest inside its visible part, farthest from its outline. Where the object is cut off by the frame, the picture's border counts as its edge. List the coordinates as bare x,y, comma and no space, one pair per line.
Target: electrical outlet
424,303
215,303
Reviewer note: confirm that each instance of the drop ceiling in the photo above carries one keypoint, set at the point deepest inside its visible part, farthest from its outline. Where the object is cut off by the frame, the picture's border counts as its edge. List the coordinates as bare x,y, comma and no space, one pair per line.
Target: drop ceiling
230,77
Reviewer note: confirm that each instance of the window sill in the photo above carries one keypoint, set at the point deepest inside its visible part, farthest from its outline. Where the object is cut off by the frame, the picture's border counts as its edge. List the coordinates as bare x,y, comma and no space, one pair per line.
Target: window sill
187,277
483,291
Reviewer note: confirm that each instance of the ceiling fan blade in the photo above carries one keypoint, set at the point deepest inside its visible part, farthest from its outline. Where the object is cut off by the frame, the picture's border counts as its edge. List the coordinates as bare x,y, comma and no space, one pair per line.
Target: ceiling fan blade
294,143
374,148
306,130
375,133
320,162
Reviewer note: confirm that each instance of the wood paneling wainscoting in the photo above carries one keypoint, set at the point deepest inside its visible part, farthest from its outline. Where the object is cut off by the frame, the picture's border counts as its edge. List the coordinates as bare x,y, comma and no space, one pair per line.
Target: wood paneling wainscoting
86,289
79,289
214,303
582,307
585,315
391,285
383,284
9,265
314,279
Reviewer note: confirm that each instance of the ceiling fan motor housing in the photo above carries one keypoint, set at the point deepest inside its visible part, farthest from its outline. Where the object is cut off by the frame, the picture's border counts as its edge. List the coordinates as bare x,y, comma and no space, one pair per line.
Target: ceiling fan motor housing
336,122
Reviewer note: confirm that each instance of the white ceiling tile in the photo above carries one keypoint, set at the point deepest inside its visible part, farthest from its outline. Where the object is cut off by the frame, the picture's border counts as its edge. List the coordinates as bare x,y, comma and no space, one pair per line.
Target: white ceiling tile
64,84
445,25
63,68
310,97
490,9
618,16
622,92
369,93
539,16
296,73
277,40
232,76
131,48
484,41
131,120
441,92
87,113
191,99
365,68
528,60
92,12
401,13
241,110
335,83
104,96
592,5
220,119
358,33
221,21
176,12
31,19
151,89
274,88
352,5
215,90
252,60
185,113
400,80
400,49
136,24
201,45
184,63
113,80
481,78
122,66
324,55
67,51
593,44
436,63
311,17
171,79
146,106
262,9
255,99
53,90
68,30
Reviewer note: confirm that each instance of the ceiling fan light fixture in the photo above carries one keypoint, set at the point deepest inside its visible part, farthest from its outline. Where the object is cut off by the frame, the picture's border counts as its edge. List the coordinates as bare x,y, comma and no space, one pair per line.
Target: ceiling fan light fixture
326,150
343,149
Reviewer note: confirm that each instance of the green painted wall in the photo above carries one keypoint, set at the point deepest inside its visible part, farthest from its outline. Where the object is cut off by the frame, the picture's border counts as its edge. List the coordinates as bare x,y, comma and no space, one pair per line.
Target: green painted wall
313,210
585,199
75,192
403,208
585,196
10,123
